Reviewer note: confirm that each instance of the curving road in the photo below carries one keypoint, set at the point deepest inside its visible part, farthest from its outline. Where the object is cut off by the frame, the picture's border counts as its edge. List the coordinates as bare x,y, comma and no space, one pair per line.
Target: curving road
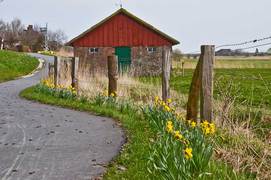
44,142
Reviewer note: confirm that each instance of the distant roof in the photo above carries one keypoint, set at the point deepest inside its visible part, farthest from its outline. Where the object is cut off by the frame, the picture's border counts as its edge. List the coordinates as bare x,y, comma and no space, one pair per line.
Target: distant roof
140,21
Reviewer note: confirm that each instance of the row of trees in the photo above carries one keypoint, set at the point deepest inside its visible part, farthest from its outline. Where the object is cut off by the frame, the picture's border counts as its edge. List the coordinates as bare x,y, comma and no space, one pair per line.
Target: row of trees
16,36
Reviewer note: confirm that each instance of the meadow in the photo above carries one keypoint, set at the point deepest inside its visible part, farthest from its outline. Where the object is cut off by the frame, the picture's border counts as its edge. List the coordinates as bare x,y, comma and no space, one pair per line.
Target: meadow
249,78
13,65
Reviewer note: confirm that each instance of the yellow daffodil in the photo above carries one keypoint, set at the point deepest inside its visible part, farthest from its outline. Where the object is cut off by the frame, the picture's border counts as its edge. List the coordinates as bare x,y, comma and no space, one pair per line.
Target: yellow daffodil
178,135
113,94
169,126
208,128
169,101
167,108
193,124
188,153
205,123
212,128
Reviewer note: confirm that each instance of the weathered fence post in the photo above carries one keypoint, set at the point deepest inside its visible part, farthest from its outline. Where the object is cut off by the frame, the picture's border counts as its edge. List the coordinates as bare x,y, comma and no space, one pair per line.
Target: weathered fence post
194,94
166,67
202,86
182,61
50,69
207,65
56,70
112,74
75,64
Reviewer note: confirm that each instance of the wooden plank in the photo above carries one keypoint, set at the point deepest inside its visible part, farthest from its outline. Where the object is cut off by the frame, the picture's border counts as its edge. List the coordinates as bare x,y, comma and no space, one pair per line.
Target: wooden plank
166,67
75,65
112,74
56,70
207,65
194,93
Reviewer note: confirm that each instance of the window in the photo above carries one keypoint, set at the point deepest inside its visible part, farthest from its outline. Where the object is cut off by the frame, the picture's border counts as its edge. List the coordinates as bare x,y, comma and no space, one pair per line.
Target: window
151,49
93,50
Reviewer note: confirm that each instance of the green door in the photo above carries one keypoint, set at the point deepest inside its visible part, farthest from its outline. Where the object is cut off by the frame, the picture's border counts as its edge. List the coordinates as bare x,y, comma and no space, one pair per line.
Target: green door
124,58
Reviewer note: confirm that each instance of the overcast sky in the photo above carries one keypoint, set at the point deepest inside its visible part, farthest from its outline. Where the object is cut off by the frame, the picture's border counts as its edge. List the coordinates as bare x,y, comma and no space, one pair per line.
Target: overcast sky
192,22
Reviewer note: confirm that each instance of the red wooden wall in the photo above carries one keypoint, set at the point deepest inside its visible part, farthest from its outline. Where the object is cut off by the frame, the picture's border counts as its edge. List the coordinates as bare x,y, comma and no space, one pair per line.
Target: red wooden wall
121,30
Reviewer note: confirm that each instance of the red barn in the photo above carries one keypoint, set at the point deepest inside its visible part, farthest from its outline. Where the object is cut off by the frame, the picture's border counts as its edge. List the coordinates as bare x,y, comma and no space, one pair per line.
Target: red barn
137,44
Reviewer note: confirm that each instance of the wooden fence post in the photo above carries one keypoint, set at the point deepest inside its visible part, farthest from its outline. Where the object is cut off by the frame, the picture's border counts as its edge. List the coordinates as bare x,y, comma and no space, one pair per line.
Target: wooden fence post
75,64
112,74
206,96
194,94
166,67
202,87
56,70
50,69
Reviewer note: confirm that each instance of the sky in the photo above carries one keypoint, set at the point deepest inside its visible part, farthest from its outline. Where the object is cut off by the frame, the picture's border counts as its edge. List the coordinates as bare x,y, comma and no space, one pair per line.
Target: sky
192,22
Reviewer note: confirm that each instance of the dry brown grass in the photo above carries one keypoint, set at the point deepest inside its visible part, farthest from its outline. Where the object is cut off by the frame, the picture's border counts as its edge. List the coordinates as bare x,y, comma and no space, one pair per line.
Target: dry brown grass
238,142
128,88
63,52
229,62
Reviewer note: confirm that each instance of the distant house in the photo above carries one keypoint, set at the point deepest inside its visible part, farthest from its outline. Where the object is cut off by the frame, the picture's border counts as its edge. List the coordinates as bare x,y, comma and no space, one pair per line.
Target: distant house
224,52
32,39
137,44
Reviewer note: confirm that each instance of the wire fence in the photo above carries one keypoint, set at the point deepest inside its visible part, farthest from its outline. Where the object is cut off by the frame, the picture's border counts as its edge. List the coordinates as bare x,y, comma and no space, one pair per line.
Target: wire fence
245,45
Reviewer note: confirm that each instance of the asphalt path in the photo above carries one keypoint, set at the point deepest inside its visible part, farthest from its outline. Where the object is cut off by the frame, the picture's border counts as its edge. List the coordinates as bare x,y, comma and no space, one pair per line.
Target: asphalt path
42,142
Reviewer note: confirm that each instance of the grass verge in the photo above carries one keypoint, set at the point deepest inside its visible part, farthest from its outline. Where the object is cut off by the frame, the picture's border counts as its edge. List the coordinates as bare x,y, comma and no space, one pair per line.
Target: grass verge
13,65
132,162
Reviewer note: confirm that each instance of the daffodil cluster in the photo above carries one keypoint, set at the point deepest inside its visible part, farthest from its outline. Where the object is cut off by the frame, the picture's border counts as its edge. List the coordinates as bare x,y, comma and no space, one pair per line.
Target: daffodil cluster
50,84
105,94
165,105
179,137
208,128
183,148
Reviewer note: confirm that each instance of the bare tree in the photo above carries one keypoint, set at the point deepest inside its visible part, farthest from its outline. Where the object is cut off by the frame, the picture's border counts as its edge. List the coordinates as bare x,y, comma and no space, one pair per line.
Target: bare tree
18,38
177,54
56,39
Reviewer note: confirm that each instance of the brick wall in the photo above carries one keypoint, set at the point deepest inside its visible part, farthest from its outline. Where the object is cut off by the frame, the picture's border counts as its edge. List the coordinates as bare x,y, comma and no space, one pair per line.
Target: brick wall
143,62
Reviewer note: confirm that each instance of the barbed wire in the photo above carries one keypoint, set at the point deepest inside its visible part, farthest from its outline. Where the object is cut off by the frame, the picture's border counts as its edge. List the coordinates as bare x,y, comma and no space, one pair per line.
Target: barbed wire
244,43
260,45
241,44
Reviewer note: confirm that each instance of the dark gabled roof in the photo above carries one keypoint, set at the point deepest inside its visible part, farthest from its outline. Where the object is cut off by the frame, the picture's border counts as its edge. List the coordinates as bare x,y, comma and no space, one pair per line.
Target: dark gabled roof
122,10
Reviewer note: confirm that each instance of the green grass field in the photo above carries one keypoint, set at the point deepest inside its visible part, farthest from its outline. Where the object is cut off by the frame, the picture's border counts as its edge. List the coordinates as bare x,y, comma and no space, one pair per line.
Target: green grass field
13,65
249,85
246,78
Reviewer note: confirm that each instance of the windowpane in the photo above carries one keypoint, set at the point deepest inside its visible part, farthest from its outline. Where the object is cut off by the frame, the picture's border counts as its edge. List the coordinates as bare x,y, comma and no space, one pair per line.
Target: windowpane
151,49
93,50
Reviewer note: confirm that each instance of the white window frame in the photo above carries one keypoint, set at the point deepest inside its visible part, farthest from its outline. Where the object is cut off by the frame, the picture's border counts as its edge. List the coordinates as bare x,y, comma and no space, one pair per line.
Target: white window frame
151,49
93,50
